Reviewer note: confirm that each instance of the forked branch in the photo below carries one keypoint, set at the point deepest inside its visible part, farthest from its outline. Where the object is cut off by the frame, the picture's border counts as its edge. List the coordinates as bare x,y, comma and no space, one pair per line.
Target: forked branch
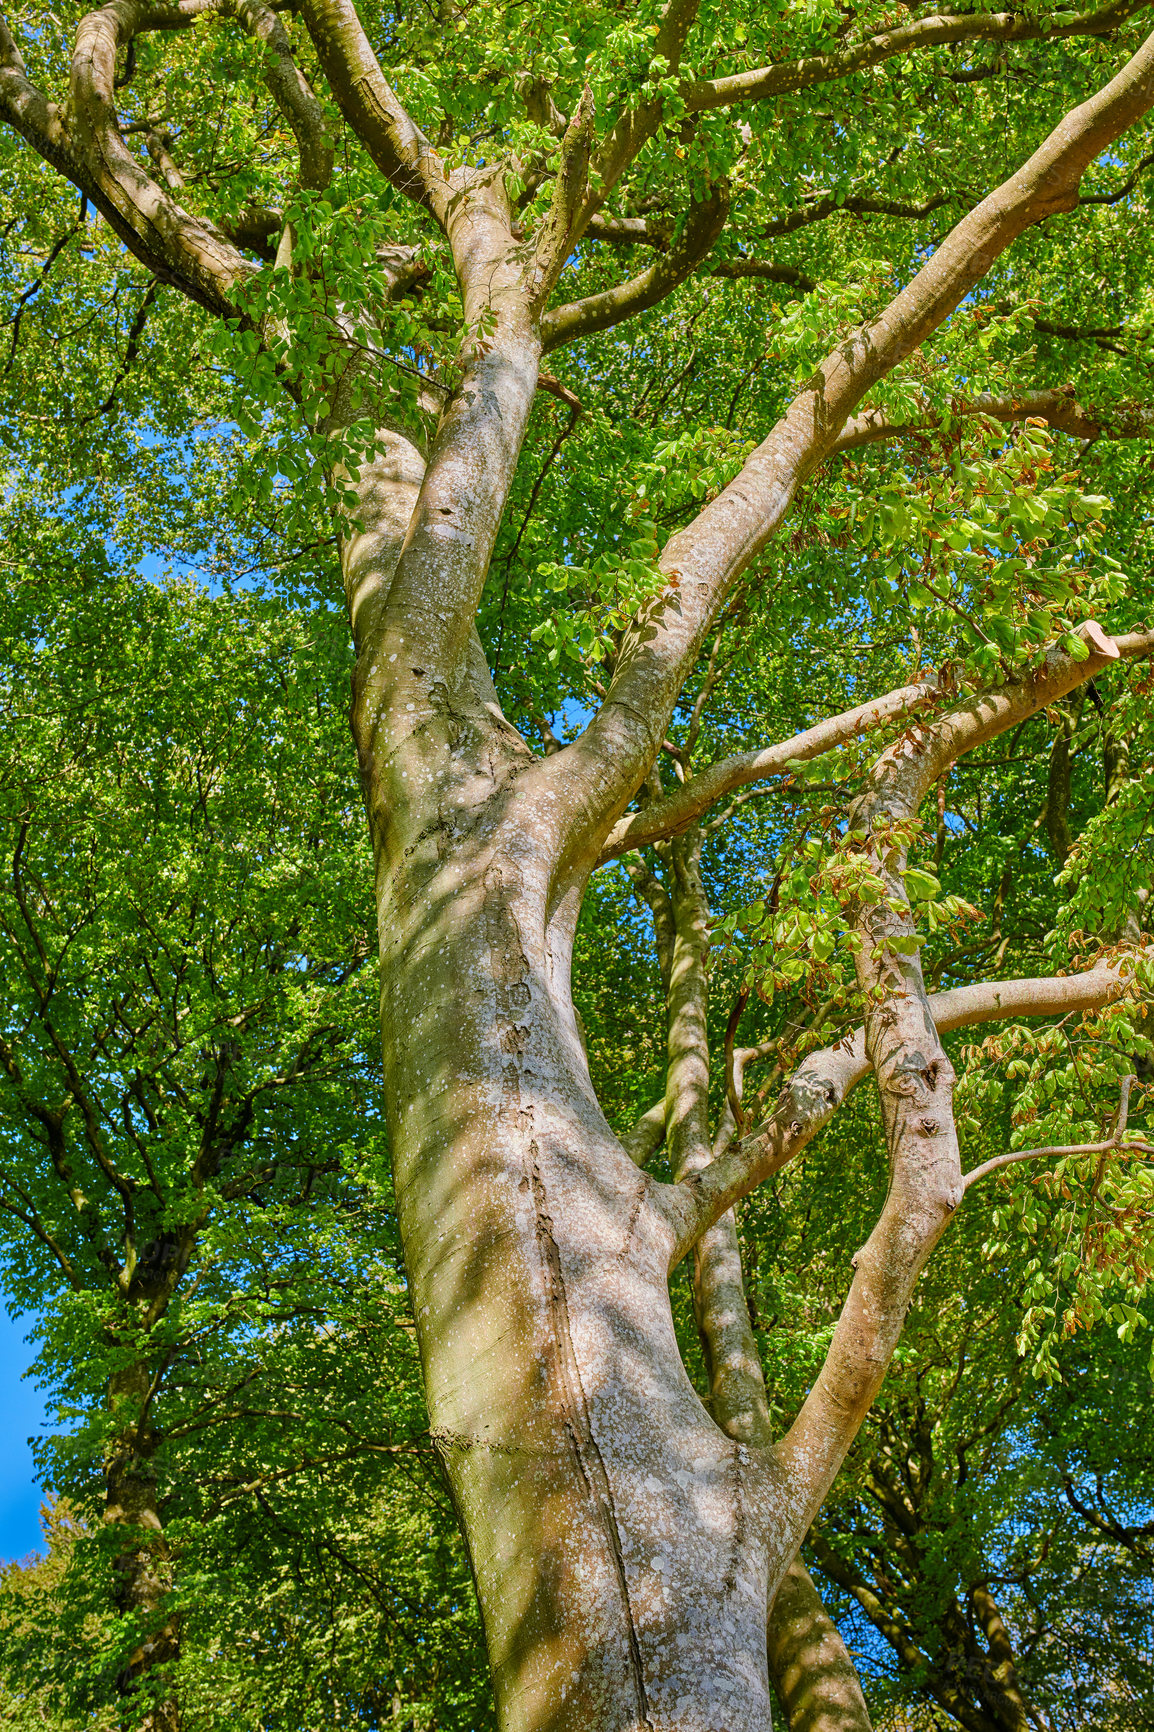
178,247
599,312
636,125
702,561
291,91
826,1078
39,122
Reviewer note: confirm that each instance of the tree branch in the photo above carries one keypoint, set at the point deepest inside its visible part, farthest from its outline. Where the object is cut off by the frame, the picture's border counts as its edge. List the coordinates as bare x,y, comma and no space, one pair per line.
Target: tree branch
932,32
895,788
132,349
818,210
1121,192
1061,1150
1058,407
599,312
915,1078
905,773
51,1122
1129,1538
570,184
630,231
702,561
370,106
687,1044
1116,1140
1101,337
648,886
636,125
811,1669
674,813
290,89
33,1221
39,122
187,251
897,1634
646,1136
41,277
767,271
826,1078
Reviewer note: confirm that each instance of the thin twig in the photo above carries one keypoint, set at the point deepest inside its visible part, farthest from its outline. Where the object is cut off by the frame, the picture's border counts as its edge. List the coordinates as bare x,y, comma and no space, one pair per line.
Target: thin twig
1114,1141
574,412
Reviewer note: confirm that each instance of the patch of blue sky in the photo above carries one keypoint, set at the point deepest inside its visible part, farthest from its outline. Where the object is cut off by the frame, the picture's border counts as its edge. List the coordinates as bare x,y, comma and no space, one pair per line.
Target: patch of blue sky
24,1416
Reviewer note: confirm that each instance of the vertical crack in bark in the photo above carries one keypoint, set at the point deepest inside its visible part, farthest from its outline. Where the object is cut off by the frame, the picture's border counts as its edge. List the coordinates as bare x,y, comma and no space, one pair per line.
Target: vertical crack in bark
510,969
634,1216
578,1424
729,1585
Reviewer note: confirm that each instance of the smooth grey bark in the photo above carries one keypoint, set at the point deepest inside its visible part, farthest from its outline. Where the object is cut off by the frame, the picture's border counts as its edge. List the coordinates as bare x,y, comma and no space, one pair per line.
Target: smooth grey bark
816,1682
626,1548
607,1515
609,1518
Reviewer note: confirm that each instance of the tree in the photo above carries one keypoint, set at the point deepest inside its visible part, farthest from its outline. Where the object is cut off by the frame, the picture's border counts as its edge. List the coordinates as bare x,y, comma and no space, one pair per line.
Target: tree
181,1063
188,1045
370,1622
387,345
994,1598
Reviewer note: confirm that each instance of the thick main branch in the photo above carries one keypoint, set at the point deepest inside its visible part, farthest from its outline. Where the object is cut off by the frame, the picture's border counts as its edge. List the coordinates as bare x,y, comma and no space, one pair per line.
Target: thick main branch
703,560
370,105
936,31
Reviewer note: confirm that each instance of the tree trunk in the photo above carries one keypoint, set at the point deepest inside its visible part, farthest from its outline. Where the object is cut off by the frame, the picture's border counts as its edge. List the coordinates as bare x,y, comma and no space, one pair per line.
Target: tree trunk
616,1533
999,1686
141,1564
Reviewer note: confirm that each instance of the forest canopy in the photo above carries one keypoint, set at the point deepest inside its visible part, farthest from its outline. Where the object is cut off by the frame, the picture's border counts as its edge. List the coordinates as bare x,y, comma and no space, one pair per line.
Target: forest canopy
576,778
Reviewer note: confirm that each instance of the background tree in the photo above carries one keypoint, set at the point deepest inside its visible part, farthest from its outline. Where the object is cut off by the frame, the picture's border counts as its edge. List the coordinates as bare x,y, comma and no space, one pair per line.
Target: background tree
190,1196
950,1537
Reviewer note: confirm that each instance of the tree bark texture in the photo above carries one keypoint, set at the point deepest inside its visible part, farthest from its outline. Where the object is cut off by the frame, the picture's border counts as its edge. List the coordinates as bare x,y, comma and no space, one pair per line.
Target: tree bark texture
627,1542
611,1523
142,1564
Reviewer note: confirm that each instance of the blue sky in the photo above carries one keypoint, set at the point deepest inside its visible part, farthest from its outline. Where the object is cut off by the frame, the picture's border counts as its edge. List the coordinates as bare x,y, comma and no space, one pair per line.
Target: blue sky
23,1415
